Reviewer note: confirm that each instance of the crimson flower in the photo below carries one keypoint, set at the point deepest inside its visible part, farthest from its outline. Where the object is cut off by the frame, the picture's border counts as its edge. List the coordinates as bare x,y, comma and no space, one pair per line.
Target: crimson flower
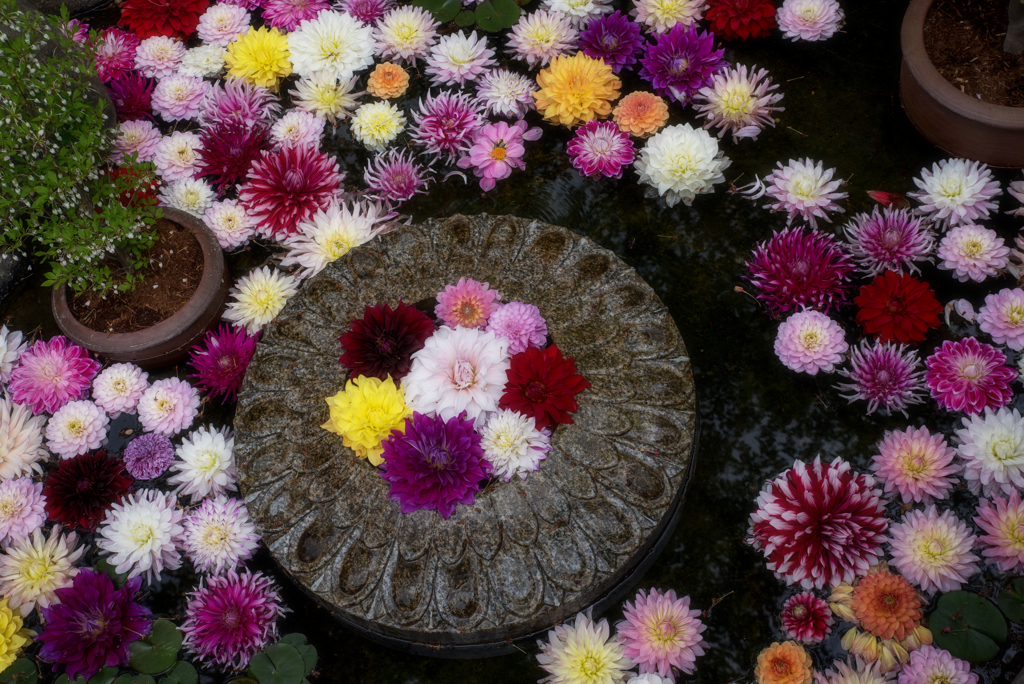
896,306
132,94
173,18
543,384
83,488
381,342
229,150
741,19
221,361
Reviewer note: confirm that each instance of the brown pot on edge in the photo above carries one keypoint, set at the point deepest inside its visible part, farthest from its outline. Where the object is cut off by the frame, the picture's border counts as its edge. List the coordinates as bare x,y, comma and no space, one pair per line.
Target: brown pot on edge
953,121
168,341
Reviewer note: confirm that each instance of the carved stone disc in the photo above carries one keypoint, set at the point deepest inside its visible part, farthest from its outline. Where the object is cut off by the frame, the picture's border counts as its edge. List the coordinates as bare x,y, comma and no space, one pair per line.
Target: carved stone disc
529,553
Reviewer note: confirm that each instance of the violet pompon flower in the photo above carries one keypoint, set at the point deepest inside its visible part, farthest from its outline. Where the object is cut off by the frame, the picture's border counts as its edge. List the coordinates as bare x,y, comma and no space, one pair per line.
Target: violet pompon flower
366,11
599,149
968,375
148,456
613,39
681,62
885,375
809,341
497,149
800,188
521,324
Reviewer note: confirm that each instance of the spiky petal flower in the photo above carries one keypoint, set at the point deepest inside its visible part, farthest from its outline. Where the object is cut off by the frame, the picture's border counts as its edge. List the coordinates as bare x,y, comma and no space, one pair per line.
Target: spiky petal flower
82,489
681,62
115,54
613,39
599,149
190,195
660,16
785,663
387,80
237,101
505,93
583,651
497,149
382,342
221,360
259,56
179,97
809,19
897,307
916,464
366,11
230,222
148,18
11,349
739,102
75,428
579,12
806,618
148,456
365,413
819,525
681,162
891,240
132,94
885,375
22,509
330,234
741,19
327,97
543,384
50,374
32,569
521,324
957,192
227,152
141,535
332,43
219,535
973,253
138,137
297,128
206,465
992,450
222,23
405,34
458,58
395,177
1002,317
119,387
377,124
859,673
933,551
809,341
800,188
1002,522
168,406
446,123
468,303
159,56
641,114
968,375
258,297
290,14
930,665
661,632
513,444
539,36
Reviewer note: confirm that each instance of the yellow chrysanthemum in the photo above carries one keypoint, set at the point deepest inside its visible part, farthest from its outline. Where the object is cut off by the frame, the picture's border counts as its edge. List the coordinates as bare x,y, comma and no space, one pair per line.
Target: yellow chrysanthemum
261,56
13,637
366,412
576,90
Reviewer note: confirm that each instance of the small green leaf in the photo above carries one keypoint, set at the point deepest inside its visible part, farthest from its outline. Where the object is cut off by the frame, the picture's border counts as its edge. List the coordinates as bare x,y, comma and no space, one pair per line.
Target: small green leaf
181,673
495,15
63,679
277,664
294,639
309,656
104,676
157,652
443,10
134,678
968,626
118,578
468,18
21,671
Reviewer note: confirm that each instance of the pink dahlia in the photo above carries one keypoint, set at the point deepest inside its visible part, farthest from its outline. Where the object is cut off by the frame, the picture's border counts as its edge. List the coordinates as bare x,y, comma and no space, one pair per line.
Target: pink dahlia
599,149
931,665
222,23
168,406
221,361
806,618
661,632
917,464
140,138
288,14
1002,317
22,509
177,155
1002,521
159,56
521,324
973,253
445,124
809,19
968,375
236,100
891,240
800,188
50,374
933,551
366,11
819,525
395,177
75,428
957,192
298,128
885,375
289,186
468,303
118,388
77,31
115,54
132,94
809,341
230,222
179,97
497,149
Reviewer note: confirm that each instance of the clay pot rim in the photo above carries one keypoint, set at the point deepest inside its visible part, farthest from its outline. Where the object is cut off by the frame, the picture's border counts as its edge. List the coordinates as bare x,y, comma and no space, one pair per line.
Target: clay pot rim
107,342
915,56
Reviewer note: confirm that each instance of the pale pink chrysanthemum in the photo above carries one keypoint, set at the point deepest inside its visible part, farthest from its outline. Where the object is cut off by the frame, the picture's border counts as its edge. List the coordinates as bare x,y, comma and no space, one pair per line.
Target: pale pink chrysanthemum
933,551
809,19
506,93
1002,317
458,58
583,651
968,375
238,101
50,374
1002,521
809,341
366,11
230,222
521,324
177,155
288,14
739,102
12,347
22,509
973,253
140,137
992,449
885,375
661,15
223,23
405,34
118,388
933,665
956,192
219,535
298,128
539,36
807,618
468,303
75,428
179,97
115,54
159,56
661,632
917,464
800,188
1016,190
168,406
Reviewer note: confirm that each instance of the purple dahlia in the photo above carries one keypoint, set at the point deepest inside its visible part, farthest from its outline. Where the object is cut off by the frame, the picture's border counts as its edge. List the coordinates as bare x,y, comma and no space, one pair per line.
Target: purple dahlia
221,361
613,39
132,94
681,62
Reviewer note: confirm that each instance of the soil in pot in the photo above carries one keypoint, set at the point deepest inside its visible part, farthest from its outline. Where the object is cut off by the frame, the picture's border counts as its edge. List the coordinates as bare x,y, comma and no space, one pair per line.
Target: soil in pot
964,39
176,267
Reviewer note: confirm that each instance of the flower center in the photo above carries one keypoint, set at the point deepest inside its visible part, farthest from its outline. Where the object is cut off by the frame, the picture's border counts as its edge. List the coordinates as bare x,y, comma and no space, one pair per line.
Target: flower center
970,371
94,624
207,461
230,618
934,549
781,666
463,374
83,485
8,508
141,533
164,405
498,152
293,180
385,346
536,392
914,464
811,340
678,65
805,189
1003,450
1016,314
215,536
883,377
76,427
439,458
895,305
972,247
121,386
799,612
665,632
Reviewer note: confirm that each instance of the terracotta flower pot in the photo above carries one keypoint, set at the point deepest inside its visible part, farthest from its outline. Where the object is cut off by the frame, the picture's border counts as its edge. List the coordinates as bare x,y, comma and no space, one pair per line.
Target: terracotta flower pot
167,342
960,124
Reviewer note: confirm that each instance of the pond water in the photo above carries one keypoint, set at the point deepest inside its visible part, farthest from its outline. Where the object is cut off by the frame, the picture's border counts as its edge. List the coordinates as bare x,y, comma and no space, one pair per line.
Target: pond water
842,107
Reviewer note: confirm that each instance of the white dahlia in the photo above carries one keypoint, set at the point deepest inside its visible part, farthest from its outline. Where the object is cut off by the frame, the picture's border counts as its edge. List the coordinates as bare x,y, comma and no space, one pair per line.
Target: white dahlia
405,34
680,162
205,61
459,58
21,440
322,94
118,388
376,124
297,128
992,449
330,234
142,534
513,444
177,155
258,297
801,188
230,222
809,19
506,93
191,195
11,348
75,428
584,651
332,43
579,12
207,464
539,36
956,192
35,567
661,15
168,406
219,535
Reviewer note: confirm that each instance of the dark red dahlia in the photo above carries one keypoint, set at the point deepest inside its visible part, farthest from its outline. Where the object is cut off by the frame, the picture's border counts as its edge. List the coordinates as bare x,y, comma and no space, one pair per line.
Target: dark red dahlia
286,187
741,19
897,307
135,185
543,384
173,18
221,361
132,94
82,489
229,150
381,342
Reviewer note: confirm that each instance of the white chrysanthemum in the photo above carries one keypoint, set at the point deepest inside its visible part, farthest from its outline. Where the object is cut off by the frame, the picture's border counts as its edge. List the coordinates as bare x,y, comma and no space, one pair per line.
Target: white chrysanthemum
205,61
34,568
139,137
513,444
12,347
376,124
223,23
992,449
579,12
800,188
662,15
405,33
258,297
142,534
332,43
506,93
325,96
459,58
168,406
219,535
584,651
207,464
75,428
159,56
230,222
809,19
177,155
297,128
956,192
191,195
539,36
21,440
1016,190
118,388
680,163
739,102
330,234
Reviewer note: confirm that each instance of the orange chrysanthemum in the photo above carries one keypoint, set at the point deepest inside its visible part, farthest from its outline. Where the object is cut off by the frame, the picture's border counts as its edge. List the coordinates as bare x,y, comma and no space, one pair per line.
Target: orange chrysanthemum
886,605
575,90
786,663
641,114
388,80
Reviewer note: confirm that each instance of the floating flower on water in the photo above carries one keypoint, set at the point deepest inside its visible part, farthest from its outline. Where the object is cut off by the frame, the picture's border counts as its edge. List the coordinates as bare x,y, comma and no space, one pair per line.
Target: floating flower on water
819,525
992,449
329,235
956,192
885,375
82,489
1002,521
395,177
539,36
599,149
583,651
141,534
365,413
297,128
222,23
232,617
405,34
22,509
230,222
204,60
289,14
168,406
543,384
377,124
207,464
382,342
32,569
227,152
331,43
968,375
190,195
1016,190
497,149
75,428
236,100
434,464
930,665
785,663
11,349
513,444
115,54
806,618
886,605
680,163
681,62
741,19
221,360
159,56
260,56
663,15
640,114
800,188
387,81
1002,317
140,138
809,341
21,440
148,18
521,324
579,12
258,297
366,11
575,90
973,253
50,374
118,388
324,95
739,102
933,551
132,94
861,673
891,240
445,124
13,636
613,39
148,456
177,155
661,632
917,464
468,303
896,307
809,19
219,535
179,97
458,58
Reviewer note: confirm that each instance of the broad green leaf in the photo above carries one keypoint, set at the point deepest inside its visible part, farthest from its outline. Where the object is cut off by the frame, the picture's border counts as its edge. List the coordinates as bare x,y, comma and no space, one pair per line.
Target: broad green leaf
118,578
63,679
181,673
294,639
495,15
277,664
104,676
443,10
134,678
21,671
1011,601
309,655
968,626
465,18
157,652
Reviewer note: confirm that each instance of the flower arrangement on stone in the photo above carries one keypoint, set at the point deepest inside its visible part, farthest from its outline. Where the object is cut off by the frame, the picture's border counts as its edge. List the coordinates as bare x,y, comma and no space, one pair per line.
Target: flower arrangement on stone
443,400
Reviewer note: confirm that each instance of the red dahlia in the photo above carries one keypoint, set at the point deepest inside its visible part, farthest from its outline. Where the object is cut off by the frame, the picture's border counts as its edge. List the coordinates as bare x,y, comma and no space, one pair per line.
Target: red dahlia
173,18
897,307
543,384
82,489
132,94
383,340
229,150
741,19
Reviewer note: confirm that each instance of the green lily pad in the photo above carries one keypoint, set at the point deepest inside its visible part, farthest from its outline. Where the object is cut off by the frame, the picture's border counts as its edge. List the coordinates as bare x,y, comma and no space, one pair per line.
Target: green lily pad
968,626
157,652
1011,601
105,676
134,678
21,671
309,656
294,639
468,18
443,10
277,664
181,673
495,15
118,578
63,679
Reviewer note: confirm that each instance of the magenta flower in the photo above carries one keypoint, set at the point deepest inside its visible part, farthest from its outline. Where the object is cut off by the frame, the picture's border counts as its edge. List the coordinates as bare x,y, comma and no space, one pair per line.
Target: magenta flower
236,100
77,31
50,374
497,149
885,375
613,39
446,123
288,14
1002,317
435,464
661,632
806,618
366,11
132,94
115,54
891,240
468,303
917,464
681,62
931,665
221,360
227,152
968,375
1002,521
395,177
809,341
521,324
933,551
599,148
